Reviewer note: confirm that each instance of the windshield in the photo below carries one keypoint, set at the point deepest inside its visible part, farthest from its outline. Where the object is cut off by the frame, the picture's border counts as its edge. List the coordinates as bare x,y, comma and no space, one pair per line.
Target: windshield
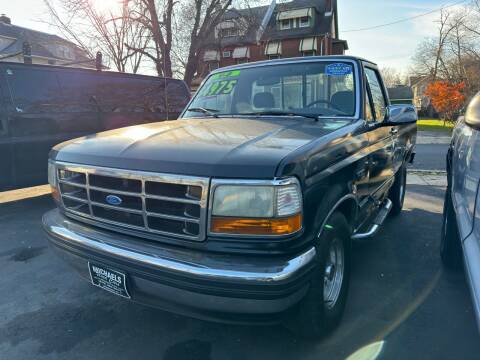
307,88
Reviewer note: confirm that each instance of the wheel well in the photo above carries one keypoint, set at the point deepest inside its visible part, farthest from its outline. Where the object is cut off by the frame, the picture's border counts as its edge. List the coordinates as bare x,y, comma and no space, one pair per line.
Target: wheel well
349,209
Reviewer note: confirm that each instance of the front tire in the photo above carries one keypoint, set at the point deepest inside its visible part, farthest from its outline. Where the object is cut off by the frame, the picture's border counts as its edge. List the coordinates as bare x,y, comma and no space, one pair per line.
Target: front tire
322,308
398,190
450,247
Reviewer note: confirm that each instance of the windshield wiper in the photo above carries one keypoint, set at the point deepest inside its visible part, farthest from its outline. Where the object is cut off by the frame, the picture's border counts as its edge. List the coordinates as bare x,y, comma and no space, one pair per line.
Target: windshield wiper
284,113
205,111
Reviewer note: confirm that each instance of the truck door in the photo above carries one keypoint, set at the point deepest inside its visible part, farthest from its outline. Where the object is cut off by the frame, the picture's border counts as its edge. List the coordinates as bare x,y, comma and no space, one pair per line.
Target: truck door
6,167
382,142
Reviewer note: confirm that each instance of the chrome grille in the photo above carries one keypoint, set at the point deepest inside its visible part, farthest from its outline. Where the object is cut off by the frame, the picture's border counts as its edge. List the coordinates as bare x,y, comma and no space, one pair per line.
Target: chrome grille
161,204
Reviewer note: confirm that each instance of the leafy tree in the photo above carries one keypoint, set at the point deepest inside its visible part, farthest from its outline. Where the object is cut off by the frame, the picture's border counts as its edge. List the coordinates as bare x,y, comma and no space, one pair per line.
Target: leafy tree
446,97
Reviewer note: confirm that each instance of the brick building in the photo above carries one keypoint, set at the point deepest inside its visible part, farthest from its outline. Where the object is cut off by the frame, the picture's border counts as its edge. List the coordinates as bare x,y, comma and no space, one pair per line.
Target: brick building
289,29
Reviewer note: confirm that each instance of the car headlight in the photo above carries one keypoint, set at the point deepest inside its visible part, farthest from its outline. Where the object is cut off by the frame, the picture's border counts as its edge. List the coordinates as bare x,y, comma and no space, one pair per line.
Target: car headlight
257,208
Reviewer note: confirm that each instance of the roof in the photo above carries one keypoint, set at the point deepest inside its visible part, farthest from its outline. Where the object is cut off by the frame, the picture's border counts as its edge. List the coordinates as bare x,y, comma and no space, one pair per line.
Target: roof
323,23
400,93
38,41
255,15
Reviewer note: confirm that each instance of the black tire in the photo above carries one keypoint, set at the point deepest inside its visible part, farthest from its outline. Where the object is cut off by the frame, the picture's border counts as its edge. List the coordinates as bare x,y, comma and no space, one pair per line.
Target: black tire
314,317
398,190
450,247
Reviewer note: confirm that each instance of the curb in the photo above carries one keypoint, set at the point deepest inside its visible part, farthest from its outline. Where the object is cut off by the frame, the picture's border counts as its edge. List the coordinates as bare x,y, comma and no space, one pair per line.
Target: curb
427,172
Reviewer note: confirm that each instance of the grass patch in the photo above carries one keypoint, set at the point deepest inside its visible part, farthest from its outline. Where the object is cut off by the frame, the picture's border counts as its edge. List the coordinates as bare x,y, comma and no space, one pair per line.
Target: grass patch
435,125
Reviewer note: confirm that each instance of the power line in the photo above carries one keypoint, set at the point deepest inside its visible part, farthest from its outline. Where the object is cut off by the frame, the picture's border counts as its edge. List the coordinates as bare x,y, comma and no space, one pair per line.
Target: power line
406,19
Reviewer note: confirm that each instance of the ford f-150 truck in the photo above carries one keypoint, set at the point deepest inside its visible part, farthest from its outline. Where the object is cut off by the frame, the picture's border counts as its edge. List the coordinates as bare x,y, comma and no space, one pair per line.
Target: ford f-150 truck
244,209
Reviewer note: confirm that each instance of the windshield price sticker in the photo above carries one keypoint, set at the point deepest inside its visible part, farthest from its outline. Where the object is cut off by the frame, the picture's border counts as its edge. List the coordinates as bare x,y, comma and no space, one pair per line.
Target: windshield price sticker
338,69
226,74
222,87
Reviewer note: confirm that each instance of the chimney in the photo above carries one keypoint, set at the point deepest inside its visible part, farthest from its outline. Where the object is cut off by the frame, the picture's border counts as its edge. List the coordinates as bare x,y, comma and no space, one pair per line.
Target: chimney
5,19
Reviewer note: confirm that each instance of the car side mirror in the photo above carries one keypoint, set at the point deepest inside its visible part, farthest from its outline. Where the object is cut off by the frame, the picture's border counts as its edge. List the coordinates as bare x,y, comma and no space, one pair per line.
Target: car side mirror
400,115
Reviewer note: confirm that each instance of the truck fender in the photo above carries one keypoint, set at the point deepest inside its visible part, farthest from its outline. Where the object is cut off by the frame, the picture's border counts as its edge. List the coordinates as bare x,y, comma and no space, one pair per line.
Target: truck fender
339,200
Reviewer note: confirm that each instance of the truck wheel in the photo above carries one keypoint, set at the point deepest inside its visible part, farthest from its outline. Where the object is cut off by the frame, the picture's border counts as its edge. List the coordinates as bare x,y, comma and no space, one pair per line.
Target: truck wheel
397,191
450,247
322,308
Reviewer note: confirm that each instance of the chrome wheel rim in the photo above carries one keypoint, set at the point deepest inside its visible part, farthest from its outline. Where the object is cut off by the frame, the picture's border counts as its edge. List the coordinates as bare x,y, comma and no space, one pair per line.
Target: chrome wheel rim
333,273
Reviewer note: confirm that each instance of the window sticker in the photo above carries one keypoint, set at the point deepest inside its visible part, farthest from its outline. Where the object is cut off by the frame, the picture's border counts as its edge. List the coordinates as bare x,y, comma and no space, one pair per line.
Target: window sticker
222,87
226,74
338,69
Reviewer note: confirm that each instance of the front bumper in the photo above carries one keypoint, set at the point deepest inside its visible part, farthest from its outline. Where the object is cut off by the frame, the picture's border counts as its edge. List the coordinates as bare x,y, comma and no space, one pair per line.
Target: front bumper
229,288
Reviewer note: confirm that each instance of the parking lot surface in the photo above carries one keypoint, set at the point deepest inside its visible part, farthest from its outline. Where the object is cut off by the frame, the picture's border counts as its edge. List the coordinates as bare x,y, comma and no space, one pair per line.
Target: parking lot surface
402,304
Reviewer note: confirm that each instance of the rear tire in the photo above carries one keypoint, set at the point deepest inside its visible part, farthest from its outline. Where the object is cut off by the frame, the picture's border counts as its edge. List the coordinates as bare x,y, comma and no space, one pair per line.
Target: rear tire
450,247
398,190
322,308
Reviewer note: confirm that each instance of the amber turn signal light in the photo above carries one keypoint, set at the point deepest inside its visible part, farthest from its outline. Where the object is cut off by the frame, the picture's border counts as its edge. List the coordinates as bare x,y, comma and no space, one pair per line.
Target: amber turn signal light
55,194
252,226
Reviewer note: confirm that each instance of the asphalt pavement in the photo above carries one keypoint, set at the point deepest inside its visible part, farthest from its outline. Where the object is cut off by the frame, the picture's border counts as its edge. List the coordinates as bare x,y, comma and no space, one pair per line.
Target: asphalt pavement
432,148
402,304
430,157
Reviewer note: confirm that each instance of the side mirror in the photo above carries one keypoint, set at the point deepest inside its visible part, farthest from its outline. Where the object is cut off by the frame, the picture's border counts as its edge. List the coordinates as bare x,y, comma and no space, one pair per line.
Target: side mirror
400,115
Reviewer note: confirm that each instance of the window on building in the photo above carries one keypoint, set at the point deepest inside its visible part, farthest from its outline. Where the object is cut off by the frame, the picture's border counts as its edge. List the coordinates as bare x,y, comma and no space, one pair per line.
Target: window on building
227,54
228,32
64,52
286,24
304,22
273,49
5,42
308,46
241,54
296,18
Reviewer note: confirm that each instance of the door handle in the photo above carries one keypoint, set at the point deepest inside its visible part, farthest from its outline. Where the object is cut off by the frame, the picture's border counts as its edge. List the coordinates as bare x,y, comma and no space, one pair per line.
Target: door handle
393,131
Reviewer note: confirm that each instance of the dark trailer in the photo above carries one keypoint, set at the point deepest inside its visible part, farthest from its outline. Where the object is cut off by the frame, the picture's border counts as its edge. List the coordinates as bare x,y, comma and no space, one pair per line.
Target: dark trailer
41,106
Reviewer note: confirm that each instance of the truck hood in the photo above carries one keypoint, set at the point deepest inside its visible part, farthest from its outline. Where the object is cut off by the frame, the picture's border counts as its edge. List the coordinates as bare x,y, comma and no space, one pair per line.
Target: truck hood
220,147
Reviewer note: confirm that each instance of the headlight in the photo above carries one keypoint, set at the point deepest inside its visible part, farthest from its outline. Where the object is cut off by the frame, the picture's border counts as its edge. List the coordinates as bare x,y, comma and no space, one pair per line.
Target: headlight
257,208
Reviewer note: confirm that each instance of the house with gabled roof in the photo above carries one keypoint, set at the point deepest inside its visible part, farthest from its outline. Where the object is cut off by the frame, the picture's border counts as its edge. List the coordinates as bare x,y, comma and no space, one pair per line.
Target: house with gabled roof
280,30
18,43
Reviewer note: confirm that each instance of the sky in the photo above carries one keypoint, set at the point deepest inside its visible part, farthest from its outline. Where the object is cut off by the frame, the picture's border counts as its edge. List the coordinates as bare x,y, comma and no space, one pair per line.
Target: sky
389,46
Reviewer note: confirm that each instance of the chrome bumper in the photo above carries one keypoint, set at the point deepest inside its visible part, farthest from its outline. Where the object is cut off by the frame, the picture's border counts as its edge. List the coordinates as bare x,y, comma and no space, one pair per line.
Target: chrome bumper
186,262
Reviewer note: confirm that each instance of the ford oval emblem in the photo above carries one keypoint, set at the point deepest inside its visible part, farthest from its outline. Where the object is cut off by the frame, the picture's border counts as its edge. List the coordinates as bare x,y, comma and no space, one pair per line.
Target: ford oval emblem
113,200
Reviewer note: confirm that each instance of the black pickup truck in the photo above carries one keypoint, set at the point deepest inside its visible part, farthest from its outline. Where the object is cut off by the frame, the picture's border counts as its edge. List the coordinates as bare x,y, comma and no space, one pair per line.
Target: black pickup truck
245,209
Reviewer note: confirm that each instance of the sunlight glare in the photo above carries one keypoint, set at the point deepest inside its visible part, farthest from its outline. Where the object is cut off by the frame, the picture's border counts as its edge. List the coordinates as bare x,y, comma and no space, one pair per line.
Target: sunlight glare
108,5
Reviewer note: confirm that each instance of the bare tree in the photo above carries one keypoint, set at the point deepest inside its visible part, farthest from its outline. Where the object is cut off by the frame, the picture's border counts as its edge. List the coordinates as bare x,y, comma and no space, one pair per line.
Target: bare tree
205,15
156,18
194,34
170,33
392,77
112,32
454,54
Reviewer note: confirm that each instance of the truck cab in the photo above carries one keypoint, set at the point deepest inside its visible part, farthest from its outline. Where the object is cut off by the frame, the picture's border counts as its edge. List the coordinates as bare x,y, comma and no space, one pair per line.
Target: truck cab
245,208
